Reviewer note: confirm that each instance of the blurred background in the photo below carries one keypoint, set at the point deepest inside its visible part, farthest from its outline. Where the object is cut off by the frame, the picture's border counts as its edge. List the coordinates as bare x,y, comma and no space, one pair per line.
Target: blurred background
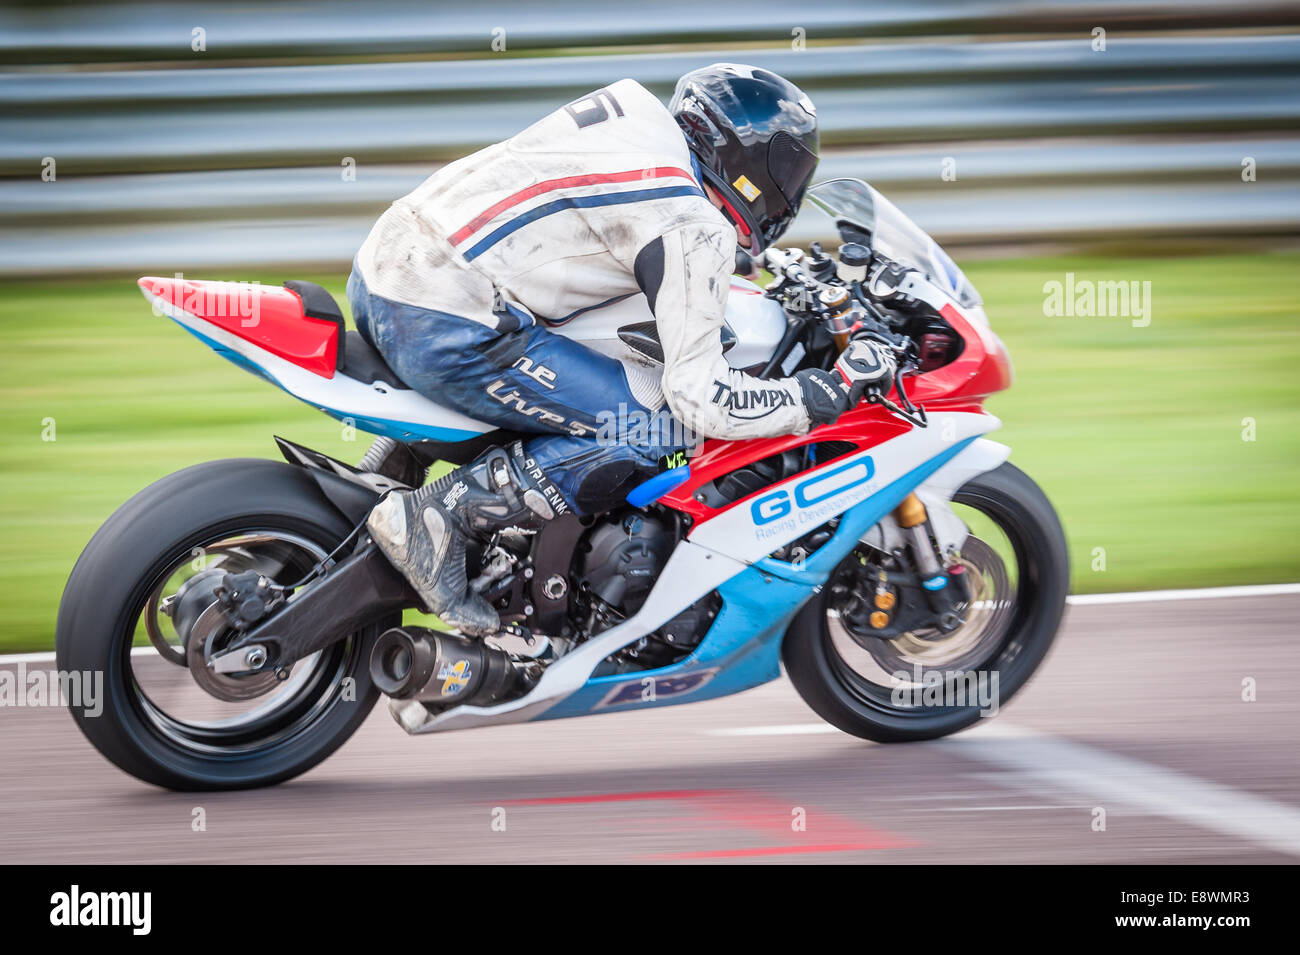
1114,141
1147,141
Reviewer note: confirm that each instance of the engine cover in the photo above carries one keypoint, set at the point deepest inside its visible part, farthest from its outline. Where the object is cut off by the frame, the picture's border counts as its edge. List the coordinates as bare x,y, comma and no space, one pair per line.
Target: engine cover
623,558
624,555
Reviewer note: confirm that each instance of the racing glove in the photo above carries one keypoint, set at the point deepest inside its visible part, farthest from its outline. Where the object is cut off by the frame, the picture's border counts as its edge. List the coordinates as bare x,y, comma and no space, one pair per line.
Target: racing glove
866,365
825,396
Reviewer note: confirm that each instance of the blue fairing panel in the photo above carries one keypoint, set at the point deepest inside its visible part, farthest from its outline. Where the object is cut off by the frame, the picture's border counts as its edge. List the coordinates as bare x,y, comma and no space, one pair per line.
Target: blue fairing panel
648,492
743,646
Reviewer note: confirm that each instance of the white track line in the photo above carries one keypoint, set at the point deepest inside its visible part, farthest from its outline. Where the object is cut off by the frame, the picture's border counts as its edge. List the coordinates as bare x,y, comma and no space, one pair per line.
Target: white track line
1074,770
788,729
1203,593
48,656
1135,596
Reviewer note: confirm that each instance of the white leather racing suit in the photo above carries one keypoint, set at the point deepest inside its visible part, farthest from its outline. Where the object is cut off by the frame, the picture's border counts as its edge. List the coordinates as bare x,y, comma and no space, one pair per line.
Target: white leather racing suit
599,201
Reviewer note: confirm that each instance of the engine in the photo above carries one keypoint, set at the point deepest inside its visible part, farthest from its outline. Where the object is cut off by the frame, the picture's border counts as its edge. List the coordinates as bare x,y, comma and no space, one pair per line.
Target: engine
619,560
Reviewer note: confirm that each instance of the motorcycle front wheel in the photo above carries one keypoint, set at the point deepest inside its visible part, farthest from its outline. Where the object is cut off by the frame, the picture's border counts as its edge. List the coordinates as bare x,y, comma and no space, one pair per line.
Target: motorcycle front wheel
925,684
131,622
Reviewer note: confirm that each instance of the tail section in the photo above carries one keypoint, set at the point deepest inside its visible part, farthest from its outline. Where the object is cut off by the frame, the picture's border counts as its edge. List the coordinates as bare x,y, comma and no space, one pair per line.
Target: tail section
295,338
275,320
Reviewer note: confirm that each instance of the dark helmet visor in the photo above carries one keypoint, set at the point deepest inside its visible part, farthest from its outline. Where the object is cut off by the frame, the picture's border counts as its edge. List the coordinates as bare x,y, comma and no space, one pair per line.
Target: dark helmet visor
791,165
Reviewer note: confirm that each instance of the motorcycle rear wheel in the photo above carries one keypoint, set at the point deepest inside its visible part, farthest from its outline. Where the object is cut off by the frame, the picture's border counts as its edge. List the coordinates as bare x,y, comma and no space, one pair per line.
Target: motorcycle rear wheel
1027,618
256,513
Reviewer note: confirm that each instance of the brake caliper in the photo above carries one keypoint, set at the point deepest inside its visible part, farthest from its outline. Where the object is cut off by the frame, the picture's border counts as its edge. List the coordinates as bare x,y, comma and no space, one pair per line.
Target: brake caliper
246,598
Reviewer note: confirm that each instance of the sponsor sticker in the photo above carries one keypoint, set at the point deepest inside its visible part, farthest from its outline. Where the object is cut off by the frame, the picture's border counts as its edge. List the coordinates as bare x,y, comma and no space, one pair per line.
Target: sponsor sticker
656,689
455,677
457,491
747,188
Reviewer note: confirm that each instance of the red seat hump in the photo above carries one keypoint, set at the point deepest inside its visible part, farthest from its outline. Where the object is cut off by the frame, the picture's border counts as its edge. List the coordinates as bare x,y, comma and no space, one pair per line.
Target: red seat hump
269,317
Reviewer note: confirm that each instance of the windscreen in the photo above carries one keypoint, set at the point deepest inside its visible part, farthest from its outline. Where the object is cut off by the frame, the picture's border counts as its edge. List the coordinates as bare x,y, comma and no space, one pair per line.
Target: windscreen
863,215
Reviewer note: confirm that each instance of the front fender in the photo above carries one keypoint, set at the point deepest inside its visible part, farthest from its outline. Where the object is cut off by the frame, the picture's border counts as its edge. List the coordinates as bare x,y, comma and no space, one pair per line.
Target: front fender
949,530
936,493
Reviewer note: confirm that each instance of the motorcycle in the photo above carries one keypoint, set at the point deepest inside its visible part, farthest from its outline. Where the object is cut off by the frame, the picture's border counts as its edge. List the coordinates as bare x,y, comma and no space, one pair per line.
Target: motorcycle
246,625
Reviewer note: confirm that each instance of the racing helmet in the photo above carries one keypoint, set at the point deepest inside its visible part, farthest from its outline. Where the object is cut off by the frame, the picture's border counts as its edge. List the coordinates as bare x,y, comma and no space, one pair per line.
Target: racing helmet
755,136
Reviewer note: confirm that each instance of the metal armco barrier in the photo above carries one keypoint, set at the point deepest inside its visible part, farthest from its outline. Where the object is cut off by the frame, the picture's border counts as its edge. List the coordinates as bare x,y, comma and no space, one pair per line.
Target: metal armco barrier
985,122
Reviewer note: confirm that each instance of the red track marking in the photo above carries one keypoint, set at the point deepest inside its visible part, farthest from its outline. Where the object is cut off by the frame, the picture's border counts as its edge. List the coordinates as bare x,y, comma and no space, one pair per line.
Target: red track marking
743,811
776,851
624,797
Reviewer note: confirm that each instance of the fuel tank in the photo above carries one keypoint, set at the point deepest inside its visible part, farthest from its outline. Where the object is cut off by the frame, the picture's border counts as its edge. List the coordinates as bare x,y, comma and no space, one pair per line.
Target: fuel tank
625,329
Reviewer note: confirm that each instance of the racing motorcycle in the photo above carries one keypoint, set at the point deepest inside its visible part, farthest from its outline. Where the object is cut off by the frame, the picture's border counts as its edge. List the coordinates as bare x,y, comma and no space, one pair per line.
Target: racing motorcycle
246,625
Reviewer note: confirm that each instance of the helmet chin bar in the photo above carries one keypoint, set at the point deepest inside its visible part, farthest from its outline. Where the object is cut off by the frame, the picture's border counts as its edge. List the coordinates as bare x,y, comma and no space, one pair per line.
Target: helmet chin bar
736,219
754,134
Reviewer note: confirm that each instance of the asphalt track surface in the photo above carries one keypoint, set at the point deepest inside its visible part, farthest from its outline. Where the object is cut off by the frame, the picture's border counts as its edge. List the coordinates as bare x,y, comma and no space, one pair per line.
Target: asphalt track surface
1138,712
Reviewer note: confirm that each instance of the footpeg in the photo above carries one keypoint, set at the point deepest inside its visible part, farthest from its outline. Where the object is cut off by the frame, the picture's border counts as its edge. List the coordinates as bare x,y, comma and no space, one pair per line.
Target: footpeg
519,641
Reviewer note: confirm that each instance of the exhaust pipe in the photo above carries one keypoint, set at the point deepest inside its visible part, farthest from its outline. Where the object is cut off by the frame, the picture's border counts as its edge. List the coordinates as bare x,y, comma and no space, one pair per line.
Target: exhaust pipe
413,663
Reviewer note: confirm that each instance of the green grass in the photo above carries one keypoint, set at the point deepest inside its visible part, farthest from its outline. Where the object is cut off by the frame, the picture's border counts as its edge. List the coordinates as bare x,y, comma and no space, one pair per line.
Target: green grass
1135,433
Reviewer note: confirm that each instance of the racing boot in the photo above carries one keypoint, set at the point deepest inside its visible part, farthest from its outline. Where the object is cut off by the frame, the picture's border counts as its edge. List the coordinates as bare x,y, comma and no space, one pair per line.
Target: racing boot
425,532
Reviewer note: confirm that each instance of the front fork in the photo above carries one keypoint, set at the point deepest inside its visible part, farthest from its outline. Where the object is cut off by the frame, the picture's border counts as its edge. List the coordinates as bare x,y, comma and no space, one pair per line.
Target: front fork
945,588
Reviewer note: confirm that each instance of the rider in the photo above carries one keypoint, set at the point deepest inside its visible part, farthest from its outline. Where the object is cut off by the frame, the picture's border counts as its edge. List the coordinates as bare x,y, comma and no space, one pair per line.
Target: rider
459,283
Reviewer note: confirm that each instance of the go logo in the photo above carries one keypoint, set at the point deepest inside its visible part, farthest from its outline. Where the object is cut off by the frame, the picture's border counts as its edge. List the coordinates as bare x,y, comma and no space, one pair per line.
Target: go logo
821,486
